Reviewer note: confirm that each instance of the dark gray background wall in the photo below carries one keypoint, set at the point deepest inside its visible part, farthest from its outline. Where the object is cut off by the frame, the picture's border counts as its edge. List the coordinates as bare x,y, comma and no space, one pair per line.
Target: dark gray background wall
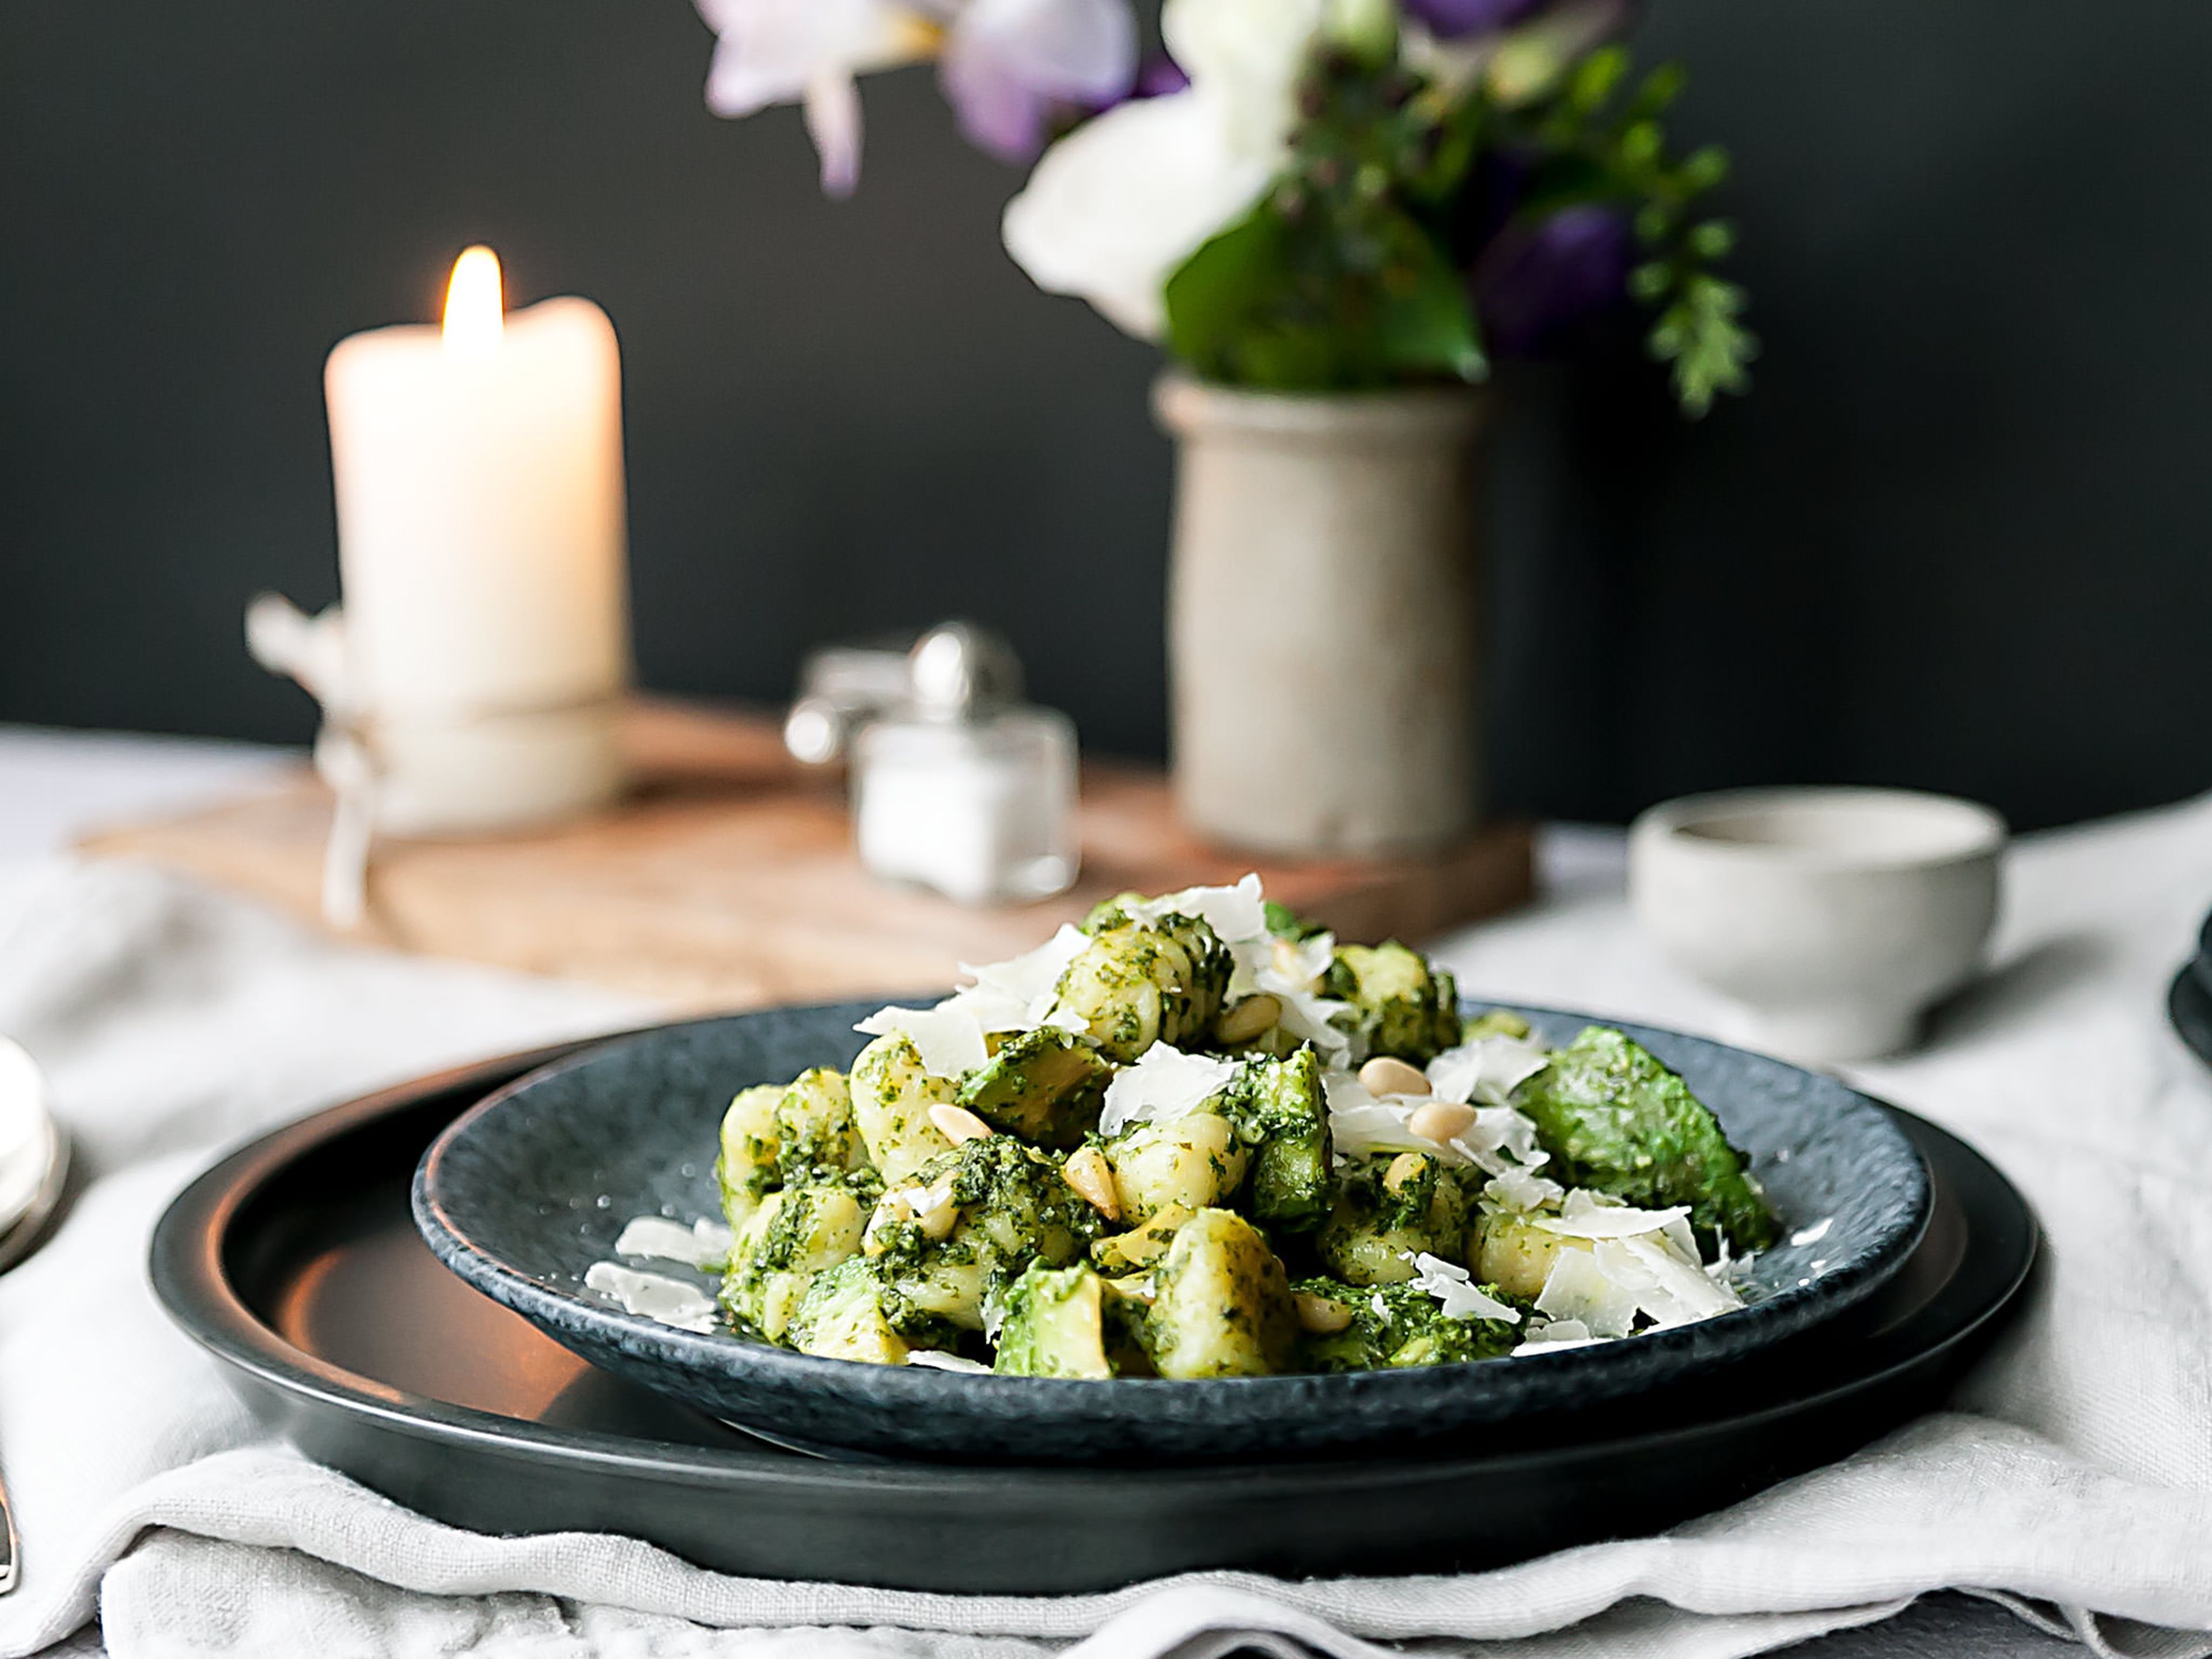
1959,537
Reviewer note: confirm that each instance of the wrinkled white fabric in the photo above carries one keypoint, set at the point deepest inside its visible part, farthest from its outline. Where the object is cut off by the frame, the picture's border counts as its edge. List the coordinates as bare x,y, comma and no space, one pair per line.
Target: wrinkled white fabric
2074,1473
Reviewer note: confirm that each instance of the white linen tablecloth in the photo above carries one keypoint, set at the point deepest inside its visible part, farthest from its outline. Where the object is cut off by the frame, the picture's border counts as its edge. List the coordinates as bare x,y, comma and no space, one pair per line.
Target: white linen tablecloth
2072,1477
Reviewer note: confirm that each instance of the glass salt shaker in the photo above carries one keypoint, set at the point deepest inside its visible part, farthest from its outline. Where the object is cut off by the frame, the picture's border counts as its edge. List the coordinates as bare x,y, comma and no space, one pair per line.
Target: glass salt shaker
964,787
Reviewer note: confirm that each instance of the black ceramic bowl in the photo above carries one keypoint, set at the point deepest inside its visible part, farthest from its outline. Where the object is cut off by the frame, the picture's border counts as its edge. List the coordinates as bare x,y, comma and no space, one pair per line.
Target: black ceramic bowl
523,1194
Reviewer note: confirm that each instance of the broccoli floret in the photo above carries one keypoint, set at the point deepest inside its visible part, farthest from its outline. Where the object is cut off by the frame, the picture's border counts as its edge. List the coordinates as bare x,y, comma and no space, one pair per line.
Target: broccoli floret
1056,1324
1276,1106
1406,1006
1045,1085
1617,1121
1285,923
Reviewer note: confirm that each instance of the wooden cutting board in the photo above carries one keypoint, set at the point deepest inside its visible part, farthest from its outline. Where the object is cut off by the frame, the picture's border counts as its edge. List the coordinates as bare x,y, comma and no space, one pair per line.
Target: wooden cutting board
728,880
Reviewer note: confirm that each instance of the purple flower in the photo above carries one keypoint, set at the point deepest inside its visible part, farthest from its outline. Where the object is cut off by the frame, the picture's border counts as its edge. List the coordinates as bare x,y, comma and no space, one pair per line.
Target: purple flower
1012,68
1159,76
1449,20
1534,284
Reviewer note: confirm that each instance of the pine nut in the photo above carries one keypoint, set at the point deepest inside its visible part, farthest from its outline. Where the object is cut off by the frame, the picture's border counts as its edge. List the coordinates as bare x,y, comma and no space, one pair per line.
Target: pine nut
1385,1076
1249,1018
1404,1170
957,1123
894,1211
934,1212
1442,1120
1089,1173
1322,1314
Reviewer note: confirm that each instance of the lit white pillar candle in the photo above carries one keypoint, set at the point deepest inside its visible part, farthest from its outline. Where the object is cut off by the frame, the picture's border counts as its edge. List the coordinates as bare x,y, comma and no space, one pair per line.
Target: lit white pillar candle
481,551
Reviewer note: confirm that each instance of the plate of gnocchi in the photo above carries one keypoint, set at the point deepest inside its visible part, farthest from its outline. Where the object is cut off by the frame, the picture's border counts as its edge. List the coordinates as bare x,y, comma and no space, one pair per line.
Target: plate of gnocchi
1192,1179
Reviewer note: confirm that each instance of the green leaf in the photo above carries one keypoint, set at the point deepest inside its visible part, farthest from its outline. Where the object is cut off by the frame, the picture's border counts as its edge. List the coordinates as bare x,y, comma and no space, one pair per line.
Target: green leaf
1210,298
1426,323
1709,349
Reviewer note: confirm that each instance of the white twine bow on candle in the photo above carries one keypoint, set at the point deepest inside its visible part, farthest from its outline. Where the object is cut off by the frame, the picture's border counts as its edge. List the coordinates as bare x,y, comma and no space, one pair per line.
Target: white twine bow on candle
310,650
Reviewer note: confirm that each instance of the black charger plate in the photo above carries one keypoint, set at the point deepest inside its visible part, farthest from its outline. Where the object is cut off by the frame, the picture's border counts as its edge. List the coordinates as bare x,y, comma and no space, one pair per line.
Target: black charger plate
295,1263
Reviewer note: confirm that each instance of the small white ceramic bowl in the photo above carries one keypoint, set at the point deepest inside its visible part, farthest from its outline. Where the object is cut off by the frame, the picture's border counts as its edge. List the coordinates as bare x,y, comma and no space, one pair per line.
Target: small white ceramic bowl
1835,916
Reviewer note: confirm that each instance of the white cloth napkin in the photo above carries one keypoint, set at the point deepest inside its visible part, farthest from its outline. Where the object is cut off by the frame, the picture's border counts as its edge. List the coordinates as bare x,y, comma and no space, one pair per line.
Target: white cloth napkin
2073,1478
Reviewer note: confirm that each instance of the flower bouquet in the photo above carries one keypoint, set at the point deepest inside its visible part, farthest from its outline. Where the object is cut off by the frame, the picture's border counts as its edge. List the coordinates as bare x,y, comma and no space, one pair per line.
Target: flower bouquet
1333,214
1303,195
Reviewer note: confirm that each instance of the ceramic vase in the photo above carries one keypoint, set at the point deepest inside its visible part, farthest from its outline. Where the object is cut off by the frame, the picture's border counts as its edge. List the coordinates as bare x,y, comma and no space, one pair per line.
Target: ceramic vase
1322,626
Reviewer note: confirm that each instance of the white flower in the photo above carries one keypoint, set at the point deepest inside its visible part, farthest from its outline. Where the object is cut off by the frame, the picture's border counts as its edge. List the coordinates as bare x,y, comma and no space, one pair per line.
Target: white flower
784,52
1006,62
1249,53
1116,206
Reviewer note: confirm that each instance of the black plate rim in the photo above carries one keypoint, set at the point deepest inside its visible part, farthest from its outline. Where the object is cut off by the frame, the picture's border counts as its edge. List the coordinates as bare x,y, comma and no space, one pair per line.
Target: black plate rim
2189,1007
1654,1358
186,1267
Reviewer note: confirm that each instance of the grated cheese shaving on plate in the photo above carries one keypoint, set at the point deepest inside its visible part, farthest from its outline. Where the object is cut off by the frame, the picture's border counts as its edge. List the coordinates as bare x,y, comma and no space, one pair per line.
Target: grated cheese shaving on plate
702,1244
653,1295
930,1359
1558,1333
1458,1294
1501,1142
949,1037
1234,914
1579,1290
1487,1070
1814,1234
1669,1289
1522,1190
1164,1084
1016,995
1593,1221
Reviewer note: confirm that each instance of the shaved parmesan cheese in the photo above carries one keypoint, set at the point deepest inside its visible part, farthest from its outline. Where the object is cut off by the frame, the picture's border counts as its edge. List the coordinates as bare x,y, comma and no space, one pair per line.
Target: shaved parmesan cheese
1234,914
1290,970
702,1244
651,1296
1814,1234
932,1361
1557,1334
1016,994
1592,1222
1357,1131
1520,1189
1487,1070
1579,1290
1501,1141
1458,1293
1670,1289
1164,1083
949,1036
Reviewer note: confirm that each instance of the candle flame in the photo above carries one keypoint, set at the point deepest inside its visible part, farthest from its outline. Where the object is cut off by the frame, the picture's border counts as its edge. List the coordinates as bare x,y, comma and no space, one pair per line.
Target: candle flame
474,319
